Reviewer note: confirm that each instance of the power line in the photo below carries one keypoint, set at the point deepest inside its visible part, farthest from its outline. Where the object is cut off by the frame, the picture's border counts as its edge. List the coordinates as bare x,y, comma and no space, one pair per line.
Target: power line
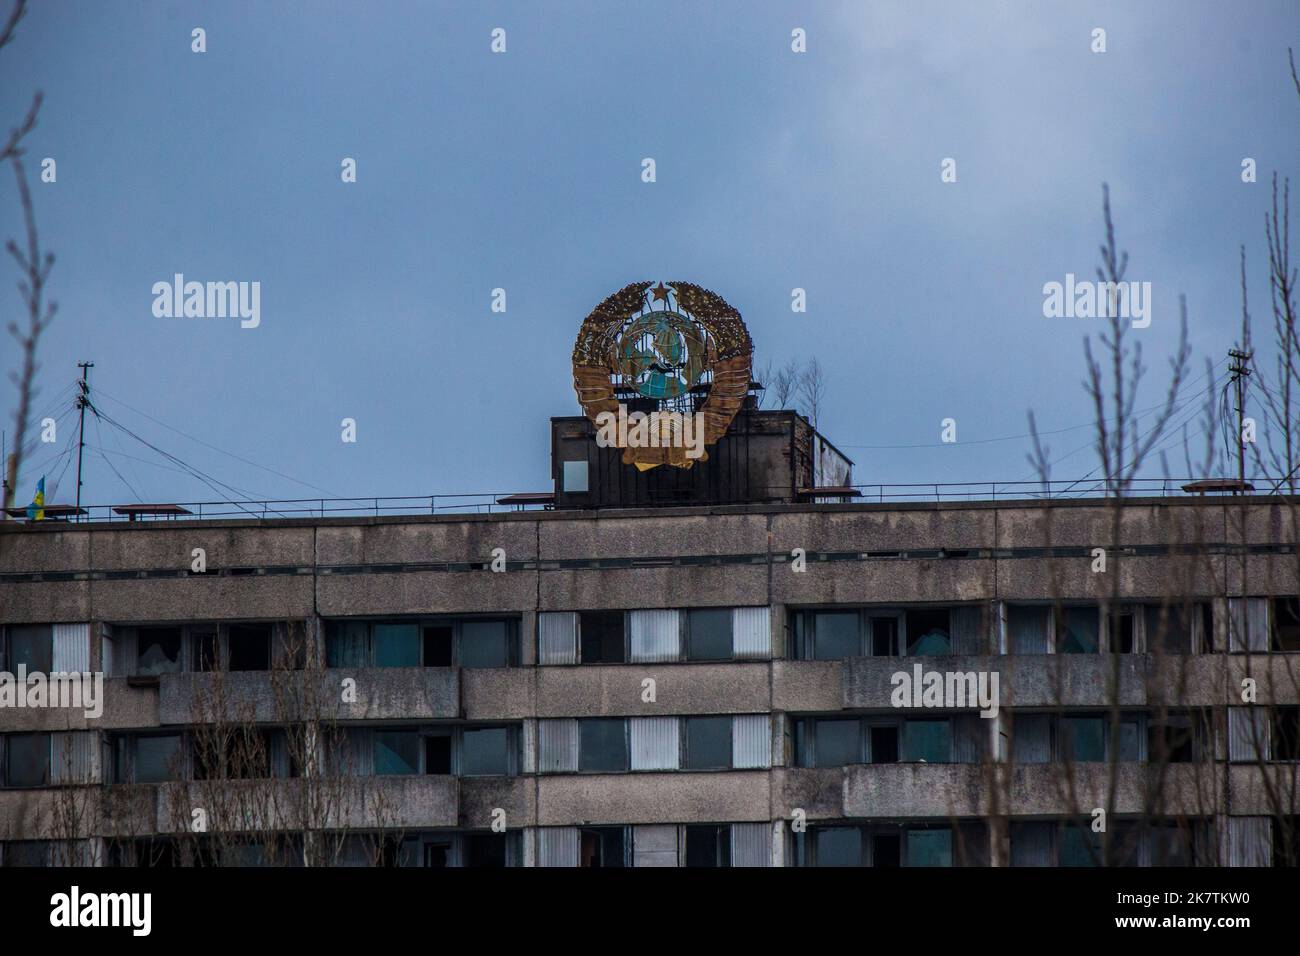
222,451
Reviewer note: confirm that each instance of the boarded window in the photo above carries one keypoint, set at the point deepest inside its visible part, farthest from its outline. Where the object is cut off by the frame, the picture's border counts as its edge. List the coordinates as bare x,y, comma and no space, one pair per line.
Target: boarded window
557,746
656,636
751,741
752,632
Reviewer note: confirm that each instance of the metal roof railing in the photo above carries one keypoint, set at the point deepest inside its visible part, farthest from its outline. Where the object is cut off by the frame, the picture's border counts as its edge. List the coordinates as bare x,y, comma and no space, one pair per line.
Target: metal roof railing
489,503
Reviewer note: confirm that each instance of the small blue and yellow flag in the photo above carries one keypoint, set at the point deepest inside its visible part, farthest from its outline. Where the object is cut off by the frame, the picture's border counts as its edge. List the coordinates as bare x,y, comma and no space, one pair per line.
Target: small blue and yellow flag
36,510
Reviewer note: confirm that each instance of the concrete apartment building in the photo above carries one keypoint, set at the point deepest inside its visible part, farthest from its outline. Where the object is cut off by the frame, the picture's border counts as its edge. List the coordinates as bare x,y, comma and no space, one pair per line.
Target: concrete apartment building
611,677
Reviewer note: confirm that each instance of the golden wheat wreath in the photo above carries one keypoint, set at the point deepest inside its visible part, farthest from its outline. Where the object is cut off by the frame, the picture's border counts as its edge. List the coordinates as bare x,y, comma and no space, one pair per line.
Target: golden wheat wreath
605,353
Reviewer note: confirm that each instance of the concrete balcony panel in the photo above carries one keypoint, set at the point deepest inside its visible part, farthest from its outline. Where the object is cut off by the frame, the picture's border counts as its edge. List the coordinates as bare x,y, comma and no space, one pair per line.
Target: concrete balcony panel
653,536
573,799
426,592
808,686
884,581
1270,790
123,707
498,693
670,586
680,688
914,790
819,793
383,693
1056,788
464,539
244,597
896,528
481,797
45,601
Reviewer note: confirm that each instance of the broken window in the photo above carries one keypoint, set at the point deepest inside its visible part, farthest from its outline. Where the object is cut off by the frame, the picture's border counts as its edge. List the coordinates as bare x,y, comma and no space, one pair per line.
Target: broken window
708,743
602,847
485,751
602,745
206,647
602,637
708,634
438,645
437,855
708,846
927,741
397,752
1286,733
250,647
397,645
836,635
484,849
1123,632
886,850
31,646
1286,624
159,650
1077,630
884,637
27,760
1176,739
1083,739
437,753
930,847
884,744
928,632
1169,629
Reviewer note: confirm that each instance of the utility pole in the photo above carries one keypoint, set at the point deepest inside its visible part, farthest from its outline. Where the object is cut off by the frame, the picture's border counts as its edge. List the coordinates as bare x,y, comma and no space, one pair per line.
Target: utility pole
1240,369
82,401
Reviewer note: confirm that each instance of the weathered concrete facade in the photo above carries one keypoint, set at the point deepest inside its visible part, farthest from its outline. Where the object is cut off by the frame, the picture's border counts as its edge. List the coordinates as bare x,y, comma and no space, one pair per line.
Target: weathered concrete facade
558,713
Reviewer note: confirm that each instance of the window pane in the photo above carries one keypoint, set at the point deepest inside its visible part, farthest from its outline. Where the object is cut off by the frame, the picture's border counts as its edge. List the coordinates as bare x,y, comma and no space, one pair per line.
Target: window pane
1129,744
1079,846
929,848
836,635
485,751
1083,739
708,743
437,645
708,846
397,752
157,759
397,645
927,740
602,637
345,644
603,745
32,646
927,633
28,853
484,644
28,757
485,850
839,743
250,647
839,846
710,635
1079,630
159,650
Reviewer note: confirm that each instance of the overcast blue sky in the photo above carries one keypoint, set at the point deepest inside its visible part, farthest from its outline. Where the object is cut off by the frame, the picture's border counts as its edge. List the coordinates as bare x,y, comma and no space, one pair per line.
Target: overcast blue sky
775,170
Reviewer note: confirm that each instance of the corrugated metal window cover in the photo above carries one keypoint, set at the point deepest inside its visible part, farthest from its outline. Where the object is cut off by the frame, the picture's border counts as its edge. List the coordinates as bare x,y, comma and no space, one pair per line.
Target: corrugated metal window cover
71,648
557,746
751,631
1248,733
557,637
1250,841
751,844
751,741
557,846
656,743
656,636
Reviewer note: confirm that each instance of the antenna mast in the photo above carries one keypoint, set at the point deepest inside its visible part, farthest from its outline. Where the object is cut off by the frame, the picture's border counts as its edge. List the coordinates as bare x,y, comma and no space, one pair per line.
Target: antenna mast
82,402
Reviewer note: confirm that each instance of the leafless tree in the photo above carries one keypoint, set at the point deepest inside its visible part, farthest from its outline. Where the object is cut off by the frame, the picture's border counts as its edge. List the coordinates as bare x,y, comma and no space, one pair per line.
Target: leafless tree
812,389
34,267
